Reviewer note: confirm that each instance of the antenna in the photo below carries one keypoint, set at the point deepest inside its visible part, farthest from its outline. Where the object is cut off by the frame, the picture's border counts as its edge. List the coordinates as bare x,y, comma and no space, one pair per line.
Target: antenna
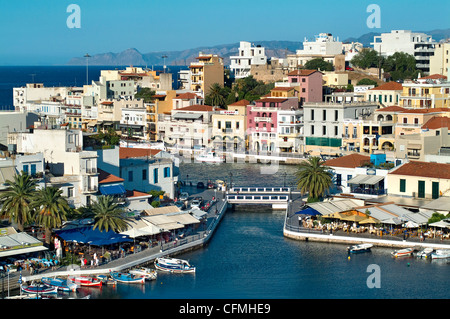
32,77
164,59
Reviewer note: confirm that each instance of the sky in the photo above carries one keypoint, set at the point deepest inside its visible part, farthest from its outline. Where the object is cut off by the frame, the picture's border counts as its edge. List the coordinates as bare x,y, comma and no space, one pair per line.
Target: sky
37,33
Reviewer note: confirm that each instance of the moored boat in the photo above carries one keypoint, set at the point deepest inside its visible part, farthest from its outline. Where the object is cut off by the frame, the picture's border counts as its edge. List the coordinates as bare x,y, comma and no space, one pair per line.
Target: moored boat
86,281
361,248
127,278
441,254
174,265
210,157
39,289
106,279
61,284
425,253
403,252
149,274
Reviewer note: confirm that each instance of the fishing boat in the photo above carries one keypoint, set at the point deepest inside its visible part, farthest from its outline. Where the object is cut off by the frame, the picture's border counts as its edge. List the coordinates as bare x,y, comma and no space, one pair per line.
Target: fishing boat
209,157
61,284
127,278
403,252
149,274
361,248
425,253
441,254
106,279
86,281
173,265
39,289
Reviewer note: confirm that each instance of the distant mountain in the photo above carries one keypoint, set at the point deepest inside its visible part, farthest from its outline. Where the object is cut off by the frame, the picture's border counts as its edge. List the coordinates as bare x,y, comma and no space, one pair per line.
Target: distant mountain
277,49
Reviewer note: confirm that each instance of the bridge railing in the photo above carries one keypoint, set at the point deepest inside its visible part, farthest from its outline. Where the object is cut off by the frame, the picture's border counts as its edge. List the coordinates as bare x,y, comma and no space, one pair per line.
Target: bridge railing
257,198
264,190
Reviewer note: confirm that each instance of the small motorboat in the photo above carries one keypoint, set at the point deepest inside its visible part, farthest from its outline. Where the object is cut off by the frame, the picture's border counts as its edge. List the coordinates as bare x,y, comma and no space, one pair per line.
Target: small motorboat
149,274
441,254
39,289
127,278
210,157
61,284
403,252
86,281
425,253
106,279
361,248
174,265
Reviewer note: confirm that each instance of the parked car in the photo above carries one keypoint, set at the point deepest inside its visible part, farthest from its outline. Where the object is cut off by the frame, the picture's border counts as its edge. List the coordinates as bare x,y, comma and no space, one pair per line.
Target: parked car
348,68
200,185
211,185
183,196
196,203
180,205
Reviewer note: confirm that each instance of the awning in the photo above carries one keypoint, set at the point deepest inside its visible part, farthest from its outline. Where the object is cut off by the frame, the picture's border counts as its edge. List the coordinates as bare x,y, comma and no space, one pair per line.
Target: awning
308,211
19,243
366,179
88,235
163,222
185,219
187,116
7,173
414,146
112,190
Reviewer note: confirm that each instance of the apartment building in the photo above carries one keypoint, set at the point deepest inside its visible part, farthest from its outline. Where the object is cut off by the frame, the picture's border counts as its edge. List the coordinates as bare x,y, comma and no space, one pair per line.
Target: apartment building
248,55
439,62
387,94
432,91
207,70
309,84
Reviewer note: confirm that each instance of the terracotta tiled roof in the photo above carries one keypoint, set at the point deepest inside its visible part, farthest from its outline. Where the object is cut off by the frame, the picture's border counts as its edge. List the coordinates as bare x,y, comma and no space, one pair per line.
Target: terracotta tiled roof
349,161
197,108
393,108
389,86
135,193
283,88
105,177
302,72
272,99
426,110
186,96
129,152
437,122
240,103
423,169
434,77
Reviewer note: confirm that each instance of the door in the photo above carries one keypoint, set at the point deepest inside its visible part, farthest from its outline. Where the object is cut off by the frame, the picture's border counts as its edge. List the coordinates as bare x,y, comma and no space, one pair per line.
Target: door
421,190
435,190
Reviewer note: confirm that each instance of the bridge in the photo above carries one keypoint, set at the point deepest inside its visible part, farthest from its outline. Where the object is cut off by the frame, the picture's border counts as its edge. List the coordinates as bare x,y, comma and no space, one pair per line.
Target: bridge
278,197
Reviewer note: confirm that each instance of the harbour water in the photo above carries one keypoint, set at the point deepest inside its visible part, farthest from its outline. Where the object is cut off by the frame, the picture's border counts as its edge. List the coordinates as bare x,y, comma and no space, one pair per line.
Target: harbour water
249,257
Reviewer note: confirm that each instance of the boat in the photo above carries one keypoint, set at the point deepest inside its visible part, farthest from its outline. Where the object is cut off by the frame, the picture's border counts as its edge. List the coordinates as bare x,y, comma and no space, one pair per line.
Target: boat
39,289
441,254
86,281
127,278
425,253
209,157
61,284
106,279
173,265
403,252
149,274
361,248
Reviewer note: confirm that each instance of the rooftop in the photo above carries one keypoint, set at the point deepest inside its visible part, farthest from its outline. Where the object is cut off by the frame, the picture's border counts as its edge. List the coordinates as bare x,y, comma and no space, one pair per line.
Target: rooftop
105,177
388,86
302,72
437,122
349,161
423,169
129,152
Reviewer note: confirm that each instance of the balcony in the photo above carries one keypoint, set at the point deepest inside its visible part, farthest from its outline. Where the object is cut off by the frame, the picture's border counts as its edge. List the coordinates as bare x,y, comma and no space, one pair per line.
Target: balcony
263,119
90,189
91,171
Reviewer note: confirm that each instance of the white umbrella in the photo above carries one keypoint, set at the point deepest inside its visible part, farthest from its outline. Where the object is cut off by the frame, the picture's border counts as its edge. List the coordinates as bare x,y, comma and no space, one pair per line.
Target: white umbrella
441,224
411,224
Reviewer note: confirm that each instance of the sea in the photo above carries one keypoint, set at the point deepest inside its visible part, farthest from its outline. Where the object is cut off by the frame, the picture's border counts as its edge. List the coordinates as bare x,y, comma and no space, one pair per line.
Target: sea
248,257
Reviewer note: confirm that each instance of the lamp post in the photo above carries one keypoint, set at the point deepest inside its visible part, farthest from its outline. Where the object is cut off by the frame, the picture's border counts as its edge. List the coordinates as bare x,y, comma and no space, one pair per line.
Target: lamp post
284,178
231,180
87,56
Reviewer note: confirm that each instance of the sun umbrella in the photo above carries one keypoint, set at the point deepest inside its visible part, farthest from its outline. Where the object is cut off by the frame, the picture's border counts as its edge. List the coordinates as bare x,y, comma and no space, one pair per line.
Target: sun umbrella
411,224
353,218
334,215
369,220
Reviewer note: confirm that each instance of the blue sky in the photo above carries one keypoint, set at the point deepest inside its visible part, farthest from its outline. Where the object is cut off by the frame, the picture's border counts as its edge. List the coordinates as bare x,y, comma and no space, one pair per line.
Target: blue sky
35,32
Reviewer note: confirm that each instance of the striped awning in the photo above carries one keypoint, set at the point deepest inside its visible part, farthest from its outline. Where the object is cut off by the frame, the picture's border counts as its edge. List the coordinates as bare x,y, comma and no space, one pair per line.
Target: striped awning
366,179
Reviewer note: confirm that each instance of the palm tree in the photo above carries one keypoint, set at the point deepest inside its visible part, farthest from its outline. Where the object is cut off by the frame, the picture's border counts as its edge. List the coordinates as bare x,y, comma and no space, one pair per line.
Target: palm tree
108,215
215,95
17,200
313,177
51,209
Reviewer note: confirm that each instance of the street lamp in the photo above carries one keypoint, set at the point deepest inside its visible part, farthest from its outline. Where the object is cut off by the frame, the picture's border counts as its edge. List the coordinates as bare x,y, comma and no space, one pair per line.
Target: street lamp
284,178
87,56
231,180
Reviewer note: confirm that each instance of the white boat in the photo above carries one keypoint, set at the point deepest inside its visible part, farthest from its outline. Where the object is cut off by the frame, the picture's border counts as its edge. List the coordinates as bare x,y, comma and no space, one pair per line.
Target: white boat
441,254
174,265
425,253
361,248
149,274
403,252
210,157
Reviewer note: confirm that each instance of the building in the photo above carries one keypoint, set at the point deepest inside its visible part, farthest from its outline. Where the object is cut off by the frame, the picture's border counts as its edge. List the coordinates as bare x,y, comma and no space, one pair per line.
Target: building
432,91
309,83
133,120
142,78
248,55
207,71
387,94
229,127
274,70
439,62
323,124
419,45
416,179
323,46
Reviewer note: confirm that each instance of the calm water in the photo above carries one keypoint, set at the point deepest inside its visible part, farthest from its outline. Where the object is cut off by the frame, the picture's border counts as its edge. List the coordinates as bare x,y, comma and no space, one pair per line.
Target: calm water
249,257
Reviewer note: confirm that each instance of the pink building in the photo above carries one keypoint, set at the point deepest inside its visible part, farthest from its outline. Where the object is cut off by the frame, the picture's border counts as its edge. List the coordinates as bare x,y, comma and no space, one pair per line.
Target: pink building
310,85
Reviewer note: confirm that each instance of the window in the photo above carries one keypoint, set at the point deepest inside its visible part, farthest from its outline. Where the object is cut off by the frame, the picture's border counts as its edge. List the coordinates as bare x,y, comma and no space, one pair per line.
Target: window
33,169
312,130
69,191
336,131
324,115
324,130
144,174
166,172
336,115
237,125
130,176
338,179
155,176
403,185
312,115
25,169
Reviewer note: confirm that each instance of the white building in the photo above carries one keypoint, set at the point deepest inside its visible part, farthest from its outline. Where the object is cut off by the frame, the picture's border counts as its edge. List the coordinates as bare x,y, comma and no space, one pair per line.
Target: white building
290,130
323,44
248,55
419,45
133,122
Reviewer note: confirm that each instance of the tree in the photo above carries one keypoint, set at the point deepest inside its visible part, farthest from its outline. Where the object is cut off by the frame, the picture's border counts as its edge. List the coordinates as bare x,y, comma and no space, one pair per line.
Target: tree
146,94
367,81
314,178
17,200
51,209
319,64
108,215
367,58
401,66
216,96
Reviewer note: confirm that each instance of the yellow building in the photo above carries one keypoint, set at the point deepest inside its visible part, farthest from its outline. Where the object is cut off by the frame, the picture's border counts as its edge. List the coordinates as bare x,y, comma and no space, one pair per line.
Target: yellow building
205,72
439,62
432,91
387,94
162,103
